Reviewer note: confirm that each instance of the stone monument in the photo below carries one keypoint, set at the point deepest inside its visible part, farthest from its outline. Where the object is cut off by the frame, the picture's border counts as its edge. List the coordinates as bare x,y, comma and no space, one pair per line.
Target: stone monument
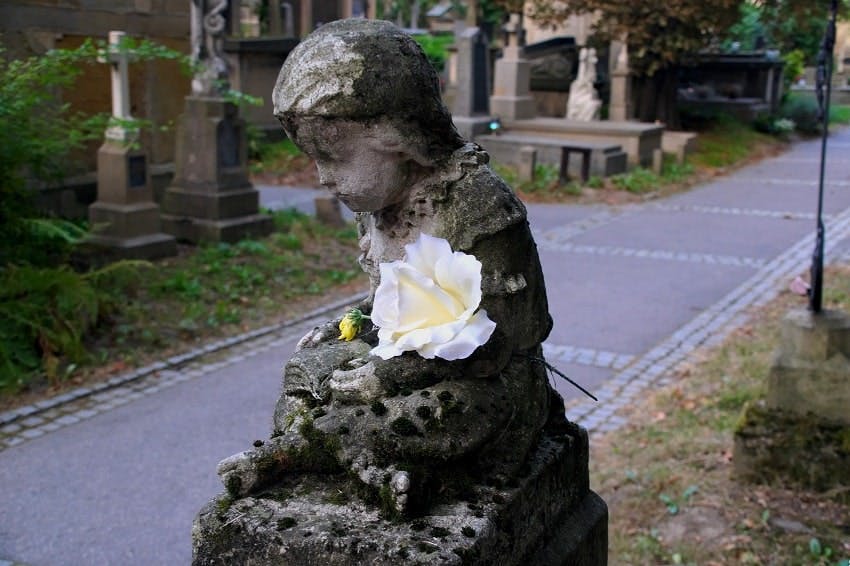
512,78
125,218
211,198
801,431
620,106
470,77
420,428
584,104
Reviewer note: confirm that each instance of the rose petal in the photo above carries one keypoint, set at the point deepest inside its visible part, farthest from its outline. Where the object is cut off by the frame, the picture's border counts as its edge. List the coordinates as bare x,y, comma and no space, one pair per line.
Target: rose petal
385,303
475,333
421,302
424,253
460,275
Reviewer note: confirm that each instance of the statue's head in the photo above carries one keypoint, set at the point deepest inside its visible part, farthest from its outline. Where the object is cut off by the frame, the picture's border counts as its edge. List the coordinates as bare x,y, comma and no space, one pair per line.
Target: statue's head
366,71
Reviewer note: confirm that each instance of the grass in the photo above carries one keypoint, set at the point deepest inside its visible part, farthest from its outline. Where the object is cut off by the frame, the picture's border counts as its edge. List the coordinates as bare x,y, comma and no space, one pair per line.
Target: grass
729,143
667,475
277,156
839,114
219,290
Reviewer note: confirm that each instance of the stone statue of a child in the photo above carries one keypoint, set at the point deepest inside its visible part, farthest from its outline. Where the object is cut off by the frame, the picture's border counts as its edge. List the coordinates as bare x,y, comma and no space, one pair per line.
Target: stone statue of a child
361,98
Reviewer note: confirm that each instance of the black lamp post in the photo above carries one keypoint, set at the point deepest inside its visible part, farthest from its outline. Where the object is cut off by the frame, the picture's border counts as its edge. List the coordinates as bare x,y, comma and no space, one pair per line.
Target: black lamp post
823,89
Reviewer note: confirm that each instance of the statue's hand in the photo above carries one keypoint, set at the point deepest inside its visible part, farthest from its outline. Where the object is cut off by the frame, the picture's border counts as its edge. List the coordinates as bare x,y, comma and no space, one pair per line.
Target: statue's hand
322,333
250,471
356,386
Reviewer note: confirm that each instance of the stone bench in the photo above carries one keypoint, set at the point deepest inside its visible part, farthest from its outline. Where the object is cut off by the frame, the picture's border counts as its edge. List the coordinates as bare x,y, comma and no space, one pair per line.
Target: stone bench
602,159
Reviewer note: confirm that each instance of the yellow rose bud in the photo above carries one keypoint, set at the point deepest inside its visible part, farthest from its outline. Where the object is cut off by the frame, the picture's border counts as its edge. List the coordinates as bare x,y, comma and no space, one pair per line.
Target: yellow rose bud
348,328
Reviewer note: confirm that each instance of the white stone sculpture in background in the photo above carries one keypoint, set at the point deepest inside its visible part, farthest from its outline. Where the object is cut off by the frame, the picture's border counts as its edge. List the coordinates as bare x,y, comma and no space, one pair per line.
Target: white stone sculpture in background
208,20
584,103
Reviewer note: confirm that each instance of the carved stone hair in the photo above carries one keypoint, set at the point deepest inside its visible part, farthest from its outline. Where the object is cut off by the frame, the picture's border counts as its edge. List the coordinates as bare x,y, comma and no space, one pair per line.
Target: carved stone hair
365,71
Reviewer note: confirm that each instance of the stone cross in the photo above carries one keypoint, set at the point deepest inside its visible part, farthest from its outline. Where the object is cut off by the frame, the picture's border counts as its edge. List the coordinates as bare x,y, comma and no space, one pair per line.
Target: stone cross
120,61
513,29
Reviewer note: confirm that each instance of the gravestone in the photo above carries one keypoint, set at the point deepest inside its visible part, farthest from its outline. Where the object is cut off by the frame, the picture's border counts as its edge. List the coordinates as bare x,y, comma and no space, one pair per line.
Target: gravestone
619,107
801,430
511,87
471,88
125,219
428,434
211,197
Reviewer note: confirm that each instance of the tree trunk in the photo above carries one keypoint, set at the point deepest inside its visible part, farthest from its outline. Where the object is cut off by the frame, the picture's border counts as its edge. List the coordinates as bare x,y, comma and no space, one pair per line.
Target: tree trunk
654,98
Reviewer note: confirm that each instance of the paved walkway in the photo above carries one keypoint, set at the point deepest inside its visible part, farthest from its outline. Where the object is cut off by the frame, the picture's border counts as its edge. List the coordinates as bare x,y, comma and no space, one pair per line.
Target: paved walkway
114,474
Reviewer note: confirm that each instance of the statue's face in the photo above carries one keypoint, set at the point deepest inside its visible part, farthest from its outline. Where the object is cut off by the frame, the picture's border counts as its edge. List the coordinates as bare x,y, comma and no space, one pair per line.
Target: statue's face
361,164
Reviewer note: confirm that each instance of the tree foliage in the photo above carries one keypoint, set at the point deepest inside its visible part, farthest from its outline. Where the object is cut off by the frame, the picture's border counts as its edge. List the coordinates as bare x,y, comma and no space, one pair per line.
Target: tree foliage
660,34
787,25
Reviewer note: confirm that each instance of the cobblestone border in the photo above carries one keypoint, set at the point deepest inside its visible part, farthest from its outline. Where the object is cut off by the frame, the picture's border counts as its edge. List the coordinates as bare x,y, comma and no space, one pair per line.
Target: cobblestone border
586,356
710,328
37,419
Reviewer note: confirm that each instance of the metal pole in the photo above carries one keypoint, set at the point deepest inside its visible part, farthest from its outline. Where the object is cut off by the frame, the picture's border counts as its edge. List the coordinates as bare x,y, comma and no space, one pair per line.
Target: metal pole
824,91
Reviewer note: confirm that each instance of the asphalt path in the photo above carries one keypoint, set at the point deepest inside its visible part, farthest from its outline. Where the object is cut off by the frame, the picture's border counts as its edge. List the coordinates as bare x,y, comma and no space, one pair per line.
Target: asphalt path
122,487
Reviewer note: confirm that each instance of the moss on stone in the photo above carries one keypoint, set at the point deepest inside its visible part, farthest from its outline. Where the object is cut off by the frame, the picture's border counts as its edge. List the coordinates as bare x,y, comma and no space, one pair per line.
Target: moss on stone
440,532
468,531
233,485
775,445
222,505
378,408
423,412
403,426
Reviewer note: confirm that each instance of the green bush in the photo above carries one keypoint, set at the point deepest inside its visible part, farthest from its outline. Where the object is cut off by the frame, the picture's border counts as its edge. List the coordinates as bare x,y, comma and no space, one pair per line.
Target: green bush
803,111
46,314
46,308
435,48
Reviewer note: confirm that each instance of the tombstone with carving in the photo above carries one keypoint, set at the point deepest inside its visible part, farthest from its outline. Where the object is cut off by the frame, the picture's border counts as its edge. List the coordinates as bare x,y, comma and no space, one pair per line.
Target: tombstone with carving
421,427
211,197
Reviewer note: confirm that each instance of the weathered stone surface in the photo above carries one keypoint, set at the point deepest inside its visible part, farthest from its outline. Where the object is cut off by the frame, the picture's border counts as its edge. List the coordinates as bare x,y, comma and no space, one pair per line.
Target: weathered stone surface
811,368
775,446
801,432
548,516
407,438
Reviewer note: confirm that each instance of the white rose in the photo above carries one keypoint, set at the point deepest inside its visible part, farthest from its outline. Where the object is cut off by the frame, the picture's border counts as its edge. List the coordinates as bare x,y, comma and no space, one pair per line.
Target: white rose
428,303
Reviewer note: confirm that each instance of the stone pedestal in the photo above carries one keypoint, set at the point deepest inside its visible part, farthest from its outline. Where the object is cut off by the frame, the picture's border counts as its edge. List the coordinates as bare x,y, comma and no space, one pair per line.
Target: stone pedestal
619,108
548,517
801,431
511,98
125,219
211,198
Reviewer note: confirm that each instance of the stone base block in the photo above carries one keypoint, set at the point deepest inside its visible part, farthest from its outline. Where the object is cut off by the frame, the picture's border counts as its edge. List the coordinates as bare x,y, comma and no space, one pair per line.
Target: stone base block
132,231
549,517
151,246
196,230
776,446
506,148
213,203
810,371
124,220
513,107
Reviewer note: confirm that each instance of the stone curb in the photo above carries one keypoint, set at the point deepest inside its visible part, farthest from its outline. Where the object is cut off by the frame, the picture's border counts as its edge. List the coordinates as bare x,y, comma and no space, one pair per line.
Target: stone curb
13,415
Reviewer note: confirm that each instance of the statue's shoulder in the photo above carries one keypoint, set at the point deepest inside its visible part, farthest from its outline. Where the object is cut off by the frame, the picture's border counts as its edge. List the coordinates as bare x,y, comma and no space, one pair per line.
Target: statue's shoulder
478,203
